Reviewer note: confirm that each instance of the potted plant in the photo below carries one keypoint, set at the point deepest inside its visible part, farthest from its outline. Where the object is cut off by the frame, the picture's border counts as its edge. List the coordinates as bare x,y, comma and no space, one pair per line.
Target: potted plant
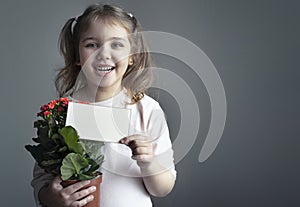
59,150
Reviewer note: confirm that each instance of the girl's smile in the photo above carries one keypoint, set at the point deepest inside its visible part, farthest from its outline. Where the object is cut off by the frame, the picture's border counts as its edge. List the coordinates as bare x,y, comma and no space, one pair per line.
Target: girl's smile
104,52
103,69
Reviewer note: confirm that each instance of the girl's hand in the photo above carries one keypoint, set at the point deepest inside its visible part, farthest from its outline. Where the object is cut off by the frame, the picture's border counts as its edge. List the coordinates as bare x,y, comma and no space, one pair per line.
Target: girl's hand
57,196
157,179
141,147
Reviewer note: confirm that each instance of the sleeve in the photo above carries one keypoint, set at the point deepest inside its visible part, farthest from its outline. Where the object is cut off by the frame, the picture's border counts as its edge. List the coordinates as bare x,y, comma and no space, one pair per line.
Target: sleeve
158,130
40,179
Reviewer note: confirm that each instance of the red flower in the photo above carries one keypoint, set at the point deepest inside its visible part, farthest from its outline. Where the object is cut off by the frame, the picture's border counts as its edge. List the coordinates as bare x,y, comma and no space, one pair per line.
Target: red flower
60,108
52,104
44,107
54,111
47,113
64,100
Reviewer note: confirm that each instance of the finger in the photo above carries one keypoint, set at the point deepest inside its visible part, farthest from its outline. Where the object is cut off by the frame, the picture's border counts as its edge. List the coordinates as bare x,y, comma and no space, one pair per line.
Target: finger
56,183
75,187
57,179
136,137
128,139
140,143
83,193
142,158
83,202
142,151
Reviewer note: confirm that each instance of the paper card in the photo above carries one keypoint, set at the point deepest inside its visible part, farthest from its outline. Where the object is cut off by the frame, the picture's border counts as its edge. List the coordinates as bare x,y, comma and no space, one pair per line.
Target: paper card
98,123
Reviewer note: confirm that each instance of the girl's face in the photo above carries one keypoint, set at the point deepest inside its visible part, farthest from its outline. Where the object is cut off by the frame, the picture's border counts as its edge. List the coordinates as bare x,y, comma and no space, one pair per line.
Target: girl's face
104,52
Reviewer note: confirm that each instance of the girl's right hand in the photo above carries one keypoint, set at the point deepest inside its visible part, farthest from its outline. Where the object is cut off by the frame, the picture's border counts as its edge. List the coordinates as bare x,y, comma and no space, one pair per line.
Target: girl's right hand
54,195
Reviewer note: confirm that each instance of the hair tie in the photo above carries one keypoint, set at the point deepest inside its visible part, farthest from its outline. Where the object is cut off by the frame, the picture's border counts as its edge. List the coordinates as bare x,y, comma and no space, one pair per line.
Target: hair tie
75,20
130,14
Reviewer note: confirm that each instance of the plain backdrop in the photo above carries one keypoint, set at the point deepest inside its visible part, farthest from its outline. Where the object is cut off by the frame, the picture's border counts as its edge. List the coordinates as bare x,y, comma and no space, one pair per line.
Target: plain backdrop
254,45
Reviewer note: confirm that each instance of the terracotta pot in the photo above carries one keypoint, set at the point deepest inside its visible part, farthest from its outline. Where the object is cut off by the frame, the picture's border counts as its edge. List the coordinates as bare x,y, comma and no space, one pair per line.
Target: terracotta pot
94,182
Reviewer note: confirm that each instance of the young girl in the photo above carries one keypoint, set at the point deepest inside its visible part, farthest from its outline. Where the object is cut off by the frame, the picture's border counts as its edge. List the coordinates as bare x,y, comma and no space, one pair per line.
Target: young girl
107,62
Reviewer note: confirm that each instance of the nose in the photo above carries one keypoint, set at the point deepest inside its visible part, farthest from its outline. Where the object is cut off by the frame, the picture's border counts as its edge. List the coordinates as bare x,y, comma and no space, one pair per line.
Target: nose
103,53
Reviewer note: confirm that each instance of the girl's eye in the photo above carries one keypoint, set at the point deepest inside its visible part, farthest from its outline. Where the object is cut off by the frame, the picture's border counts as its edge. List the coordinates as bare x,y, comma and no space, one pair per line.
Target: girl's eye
116,45
92,45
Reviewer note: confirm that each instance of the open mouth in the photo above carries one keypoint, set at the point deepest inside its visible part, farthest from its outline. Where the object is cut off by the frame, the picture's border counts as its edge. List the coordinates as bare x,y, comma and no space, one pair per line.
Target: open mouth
105,68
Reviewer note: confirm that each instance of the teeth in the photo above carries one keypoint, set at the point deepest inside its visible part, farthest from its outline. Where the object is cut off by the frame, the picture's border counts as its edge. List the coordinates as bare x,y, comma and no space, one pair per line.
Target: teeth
104,68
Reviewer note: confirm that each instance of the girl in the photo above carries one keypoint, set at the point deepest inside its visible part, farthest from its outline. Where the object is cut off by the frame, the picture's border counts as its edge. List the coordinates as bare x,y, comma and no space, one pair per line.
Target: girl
107,62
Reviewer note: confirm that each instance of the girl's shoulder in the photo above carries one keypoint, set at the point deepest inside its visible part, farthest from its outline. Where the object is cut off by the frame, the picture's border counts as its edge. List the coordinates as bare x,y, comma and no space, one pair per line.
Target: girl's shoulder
148,99
149,102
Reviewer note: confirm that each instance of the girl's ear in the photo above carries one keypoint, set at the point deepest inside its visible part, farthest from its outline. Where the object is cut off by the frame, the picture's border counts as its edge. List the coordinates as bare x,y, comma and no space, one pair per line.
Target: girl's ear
130,62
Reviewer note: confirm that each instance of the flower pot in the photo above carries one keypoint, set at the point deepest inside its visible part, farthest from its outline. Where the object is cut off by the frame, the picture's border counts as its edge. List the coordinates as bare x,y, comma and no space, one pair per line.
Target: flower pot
94,182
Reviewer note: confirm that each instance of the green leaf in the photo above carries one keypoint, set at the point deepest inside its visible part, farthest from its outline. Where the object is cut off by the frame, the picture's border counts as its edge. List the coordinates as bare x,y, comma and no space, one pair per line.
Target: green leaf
92,169
63,149
52,154
71,139
69,134
47,163
55,137
43,131
92,148
99,160
36,139
85,177
36,152
72,164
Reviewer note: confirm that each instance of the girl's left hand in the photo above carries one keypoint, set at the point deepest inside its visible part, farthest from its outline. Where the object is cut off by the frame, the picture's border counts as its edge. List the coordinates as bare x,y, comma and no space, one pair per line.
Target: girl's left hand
141,147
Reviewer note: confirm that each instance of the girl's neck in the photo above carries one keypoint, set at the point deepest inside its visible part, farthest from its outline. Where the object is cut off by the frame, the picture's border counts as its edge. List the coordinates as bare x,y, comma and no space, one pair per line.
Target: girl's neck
99,94
103,94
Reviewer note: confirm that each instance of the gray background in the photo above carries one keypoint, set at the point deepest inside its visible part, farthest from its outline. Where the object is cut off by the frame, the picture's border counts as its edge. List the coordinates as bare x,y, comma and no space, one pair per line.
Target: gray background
255,48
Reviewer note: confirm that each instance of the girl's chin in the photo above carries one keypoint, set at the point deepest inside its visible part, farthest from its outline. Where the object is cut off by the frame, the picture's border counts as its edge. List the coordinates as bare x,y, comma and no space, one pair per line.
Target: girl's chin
104,84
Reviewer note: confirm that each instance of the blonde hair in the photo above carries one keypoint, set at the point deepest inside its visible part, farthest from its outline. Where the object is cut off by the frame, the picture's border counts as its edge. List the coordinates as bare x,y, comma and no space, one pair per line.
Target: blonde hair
138,76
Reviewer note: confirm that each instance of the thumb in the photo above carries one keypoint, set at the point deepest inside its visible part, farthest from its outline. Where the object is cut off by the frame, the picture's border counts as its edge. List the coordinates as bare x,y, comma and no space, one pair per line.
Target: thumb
125,140
56,182
57,179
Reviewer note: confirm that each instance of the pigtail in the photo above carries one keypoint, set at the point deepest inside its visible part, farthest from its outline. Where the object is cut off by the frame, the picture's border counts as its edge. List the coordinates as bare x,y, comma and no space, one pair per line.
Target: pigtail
138,77
66,42
66,77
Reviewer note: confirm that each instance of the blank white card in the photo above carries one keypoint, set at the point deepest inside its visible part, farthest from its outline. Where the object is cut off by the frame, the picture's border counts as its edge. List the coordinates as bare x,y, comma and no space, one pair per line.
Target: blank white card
98,123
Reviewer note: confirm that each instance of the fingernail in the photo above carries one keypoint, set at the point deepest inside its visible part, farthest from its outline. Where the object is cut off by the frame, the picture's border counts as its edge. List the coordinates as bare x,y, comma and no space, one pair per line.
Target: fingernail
93,188
91,197
87,182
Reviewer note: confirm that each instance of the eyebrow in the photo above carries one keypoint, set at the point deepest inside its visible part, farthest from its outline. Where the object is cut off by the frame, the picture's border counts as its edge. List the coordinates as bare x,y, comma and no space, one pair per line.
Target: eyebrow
112,38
